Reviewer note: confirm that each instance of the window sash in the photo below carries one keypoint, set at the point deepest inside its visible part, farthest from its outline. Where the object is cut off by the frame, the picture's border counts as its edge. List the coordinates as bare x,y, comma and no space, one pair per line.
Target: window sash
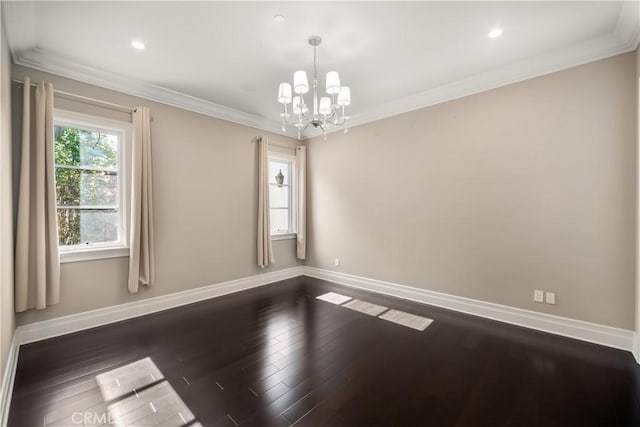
110,171
88,207
283,205
289,161
288,230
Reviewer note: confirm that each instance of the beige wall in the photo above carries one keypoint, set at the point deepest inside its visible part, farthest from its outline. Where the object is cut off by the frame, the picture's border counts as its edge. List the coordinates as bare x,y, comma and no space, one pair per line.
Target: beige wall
205,206
637,349
7,317
529,186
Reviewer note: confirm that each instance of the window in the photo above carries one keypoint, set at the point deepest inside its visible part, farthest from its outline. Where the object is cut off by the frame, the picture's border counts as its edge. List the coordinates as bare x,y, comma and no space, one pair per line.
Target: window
89,154
281,194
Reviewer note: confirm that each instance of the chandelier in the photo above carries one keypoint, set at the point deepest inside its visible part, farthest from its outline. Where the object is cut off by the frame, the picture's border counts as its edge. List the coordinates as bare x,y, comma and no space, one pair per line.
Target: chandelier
327,111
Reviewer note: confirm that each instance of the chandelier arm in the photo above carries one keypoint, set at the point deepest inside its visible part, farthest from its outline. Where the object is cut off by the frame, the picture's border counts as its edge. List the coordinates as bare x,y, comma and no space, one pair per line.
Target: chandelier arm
299,118
333,118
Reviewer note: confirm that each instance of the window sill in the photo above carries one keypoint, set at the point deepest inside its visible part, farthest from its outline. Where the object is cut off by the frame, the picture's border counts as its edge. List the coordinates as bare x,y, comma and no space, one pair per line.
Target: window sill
91,254
284,236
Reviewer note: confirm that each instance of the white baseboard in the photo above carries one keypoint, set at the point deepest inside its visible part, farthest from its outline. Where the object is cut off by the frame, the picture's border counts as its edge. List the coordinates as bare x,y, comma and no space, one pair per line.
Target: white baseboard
9,375
586,331
90,319
592,332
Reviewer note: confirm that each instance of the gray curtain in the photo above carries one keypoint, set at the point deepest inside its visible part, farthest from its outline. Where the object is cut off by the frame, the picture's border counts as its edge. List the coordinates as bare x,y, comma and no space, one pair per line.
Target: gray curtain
265,249
37,260
141,238
301,180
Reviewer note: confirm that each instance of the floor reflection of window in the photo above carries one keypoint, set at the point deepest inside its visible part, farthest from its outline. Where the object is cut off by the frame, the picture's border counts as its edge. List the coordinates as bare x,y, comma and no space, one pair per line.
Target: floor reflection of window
137,394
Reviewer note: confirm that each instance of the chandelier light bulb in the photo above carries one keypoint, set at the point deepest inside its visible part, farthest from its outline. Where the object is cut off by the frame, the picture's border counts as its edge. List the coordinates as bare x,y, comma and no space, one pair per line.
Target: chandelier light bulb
300,82
344,96
325,106
333,82
284,93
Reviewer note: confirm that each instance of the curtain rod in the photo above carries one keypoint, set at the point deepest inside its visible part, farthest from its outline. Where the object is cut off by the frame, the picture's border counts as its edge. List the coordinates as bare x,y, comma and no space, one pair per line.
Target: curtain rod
94,101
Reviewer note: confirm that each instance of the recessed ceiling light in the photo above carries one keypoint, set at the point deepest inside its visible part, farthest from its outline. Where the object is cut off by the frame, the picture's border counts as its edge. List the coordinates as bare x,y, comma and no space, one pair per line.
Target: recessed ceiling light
496,32
137,44
278,18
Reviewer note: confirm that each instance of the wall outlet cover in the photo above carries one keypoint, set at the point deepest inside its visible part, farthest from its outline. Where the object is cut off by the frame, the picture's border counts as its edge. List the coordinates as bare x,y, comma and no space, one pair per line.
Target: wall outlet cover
538,296
550,297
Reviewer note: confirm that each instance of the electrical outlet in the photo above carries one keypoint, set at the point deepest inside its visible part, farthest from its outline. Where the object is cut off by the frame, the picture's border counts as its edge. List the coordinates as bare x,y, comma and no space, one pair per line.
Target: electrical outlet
550,297
538,296
337,262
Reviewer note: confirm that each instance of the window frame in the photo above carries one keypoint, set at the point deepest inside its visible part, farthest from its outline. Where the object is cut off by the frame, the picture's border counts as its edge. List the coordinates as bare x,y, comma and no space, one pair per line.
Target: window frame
293,202
119,248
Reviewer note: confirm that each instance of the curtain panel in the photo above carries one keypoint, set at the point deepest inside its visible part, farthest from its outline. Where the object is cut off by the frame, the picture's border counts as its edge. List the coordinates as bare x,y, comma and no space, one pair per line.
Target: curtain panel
37,259
141,237
264,245
301,180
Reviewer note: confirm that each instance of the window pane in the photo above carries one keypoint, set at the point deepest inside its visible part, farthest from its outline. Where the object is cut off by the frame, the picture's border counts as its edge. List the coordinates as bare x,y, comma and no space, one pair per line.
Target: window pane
68,227
78,147
86,187
68,187
97,226
99,188
279,220
277,166
78,226
279,196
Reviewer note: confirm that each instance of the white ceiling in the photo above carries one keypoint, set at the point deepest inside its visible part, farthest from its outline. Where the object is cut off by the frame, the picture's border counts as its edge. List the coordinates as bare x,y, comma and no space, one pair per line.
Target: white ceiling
232,55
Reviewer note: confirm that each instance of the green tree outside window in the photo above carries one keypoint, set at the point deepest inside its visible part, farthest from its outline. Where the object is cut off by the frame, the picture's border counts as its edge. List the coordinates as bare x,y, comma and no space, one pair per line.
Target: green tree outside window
86,186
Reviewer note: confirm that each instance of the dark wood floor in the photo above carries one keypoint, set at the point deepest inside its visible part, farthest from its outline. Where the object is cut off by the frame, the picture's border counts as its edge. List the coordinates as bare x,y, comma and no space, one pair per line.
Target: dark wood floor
277,356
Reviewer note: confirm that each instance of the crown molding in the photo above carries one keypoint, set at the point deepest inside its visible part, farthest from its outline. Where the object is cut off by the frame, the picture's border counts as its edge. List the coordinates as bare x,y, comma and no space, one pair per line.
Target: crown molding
49,62
623,39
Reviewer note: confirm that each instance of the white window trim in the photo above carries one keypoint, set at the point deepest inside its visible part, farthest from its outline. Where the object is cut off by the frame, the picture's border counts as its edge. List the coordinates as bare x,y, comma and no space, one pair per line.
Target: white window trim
112,249
293,208
94,253
284,236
